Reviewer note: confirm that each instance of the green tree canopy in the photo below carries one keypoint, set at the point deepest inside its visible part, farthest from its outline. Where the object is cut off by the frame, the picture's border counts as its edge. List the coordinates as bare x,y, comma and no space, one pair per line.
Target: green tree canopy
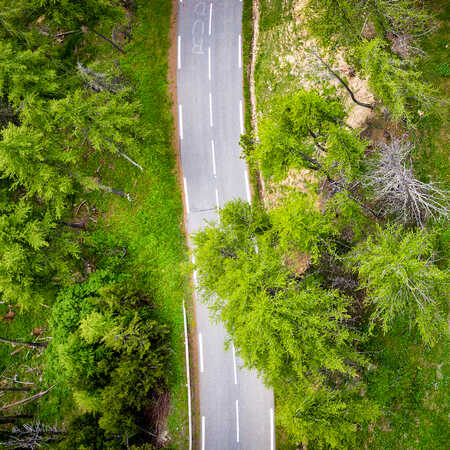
398,86
306,129
111,348
36,254
287,327
396,268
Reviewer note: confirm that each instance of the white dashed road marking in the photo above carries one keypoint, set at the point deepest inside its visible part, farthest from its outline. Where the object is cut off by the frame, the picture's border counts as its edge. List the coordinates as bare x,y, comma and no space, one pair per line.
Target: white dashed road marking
186,196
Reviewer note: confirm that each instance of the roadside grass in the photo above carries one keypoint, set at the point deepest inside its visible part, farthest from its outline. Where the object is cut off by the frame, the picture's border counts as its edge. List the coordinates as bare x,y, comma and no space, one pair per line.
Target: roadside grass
152,224
410,383
247,37
272,78
247,33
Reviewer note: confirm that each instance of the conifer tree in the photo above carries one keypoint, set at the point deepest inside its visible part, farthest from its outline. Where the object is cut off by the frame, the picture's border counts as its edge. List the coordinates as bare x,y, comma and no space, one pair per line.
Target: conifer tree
286,326
396,268
399,87
36,255
306,129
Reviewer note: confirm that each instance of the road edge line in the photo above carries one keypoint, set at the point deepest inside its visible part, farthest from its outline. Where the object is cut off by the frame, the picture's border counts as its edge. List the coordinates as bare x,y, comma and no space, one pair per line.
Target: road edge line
188,375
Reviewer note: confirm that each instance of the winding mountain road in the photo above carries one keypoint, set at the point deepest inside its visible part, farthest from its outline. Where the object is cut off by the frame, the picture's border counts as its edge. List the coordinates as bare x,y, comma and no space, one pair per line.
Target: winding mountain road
236,409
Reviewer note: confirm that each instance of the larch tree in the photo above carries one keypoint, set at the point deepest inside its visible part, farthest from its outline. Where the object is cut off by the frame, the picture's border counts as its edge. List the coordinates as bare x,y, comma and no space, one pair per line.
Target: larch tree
307,130
396,268
287,327
398,86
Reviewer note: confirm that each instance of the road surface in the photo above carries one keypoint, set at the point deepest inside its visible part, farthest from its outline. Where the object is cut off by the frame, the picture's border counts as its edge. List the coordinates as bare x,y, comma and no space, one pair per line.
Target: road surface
236,409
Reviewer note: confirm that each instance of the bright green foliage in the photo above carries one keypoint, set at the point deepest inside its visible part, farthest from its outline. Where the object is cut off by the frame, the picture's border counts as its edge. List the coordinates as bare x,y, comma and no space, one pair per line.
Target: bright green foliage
45,154
342,23
398,86
33,164
290,329
334,22
397,271
302,228
322,419
402,17
308,125
35,253
26,75
83,12
113,352
36,20
370,33
100,122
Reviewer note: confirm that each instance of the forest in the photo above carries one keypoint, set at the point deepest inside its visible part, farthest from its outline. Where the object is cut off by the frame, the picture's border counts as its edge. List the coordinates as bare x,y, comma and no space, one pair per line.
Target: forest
333,283
90,213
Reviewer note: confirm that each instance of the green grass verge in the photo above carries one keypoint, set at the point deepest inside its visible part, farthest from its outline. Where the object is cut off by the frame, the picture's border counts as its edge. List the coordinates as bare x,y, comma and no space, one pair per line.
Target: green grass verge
410,383
152,224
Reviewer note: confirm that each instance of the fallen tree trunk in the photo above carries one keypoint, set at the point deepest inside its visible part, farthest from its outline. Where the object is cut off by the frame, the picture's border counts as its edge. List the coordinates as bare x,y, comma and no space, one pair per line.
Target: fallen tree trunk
26,344
28,399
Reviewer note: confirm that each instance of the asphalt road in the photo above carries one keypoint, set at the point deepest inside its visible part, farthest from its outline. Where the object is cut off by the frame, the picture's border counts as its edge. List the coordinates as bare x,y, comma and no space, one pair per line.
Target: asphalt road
236,409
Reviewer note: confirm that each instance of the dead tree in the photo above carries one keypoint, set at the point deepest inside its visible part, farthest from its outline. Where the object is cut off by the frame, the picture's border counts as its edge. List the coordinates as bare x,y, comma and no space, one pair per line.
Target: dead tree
99,82
24,343
398,191
26,400
32,436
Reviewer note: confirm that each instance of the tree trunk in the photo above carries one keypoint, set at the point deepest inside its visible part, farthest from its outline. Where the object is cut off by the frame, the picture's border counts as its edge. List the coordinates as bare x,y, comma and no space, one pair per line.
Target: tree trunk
79,226
27,344
352,95
114,191
315,165
107,40
28,399
124,155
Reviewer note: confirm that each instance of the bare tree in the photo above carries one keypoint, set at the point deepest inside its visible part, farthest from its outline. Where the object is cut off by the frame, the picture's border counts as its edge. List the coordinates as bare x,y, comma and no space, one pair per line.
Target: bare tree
24,343
31,436
99,82
399,192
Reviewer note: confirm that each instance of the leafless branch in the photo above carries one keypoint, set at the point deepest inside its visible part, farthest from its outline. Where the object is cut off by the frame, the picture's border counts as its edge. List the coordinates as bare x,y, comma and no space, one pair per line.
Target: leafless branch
28,399
397,189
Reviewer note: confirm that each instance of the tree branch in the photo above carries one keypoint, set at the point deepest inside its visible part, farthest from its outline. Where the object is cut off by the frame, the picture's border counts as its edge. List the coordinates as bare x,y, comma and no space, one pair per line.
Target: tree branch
28,399
352,95
26,344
